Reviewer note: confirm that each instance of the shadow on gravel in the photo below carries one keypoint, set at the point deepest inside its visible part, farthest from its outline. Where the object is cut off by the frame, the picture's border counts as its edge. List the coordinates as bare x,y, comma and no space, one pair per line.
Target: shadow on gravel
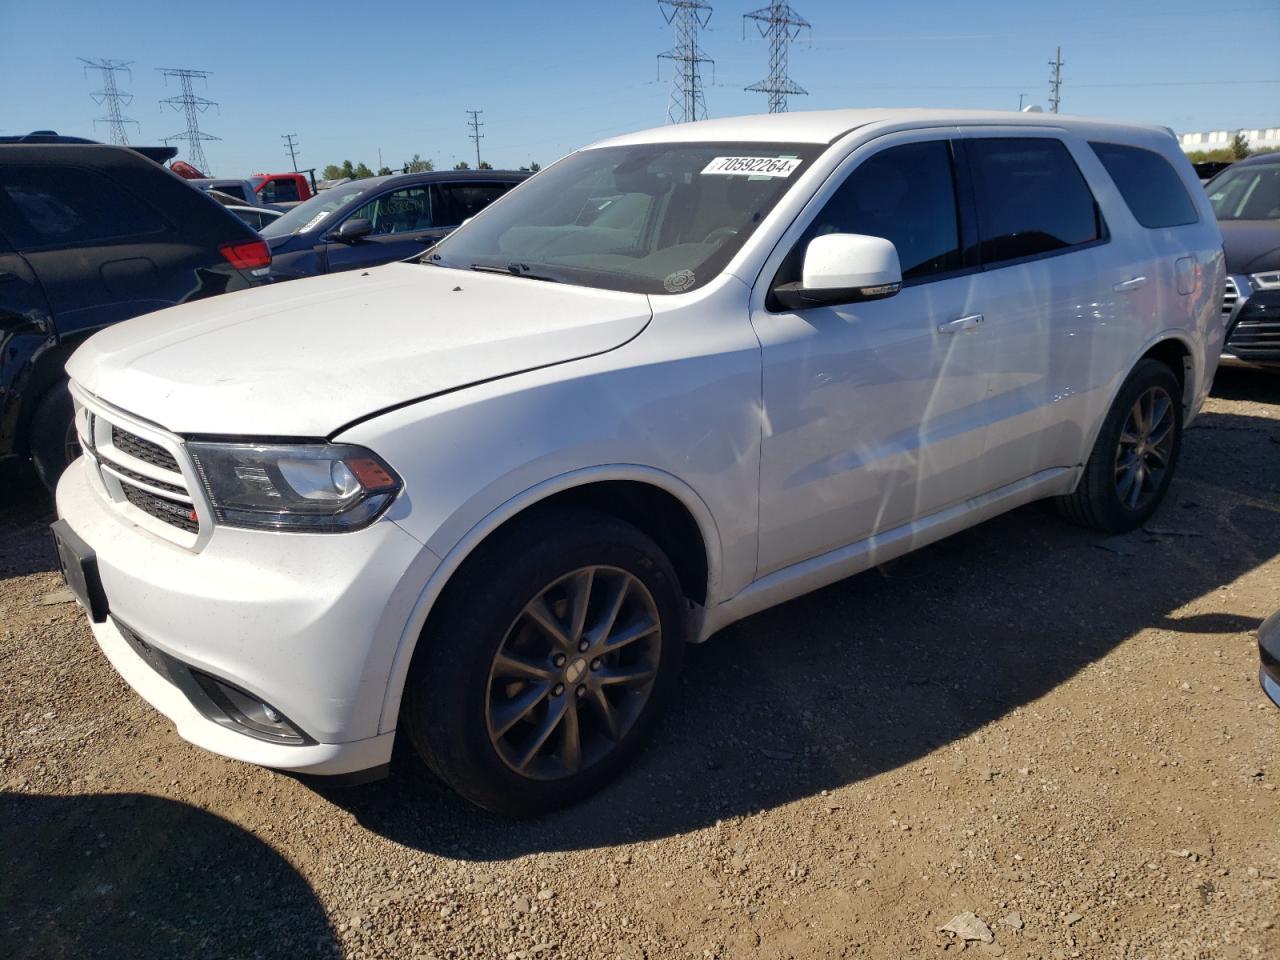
1244,383
884,668
26,510
130,875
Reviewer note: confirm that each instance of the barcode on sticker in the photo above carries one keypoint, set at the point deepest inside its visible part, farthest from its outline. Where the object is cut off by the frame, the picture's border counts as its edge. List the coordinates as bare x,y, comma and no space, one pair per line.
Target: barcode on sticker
752,166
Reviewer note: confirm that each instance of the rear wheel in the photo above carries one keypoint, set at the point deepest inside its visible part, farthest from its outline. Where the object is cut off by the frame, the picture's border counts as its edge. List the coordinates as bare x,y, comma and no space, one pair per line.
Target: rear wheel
548,662
54,443
1136,453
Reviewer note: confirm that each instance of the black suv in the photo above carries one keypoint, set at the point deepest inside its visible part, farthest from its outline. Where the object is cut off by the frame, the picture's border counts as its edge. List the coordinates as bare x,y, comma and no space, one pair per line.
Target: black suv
91,235
364,223
1246,199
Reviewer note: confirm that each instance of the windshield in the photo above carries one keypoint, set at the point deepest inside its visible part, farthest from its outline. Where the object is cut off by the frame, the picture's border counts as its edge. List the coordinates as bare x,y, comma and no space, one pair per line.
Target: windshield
311,213
1247,193
649,218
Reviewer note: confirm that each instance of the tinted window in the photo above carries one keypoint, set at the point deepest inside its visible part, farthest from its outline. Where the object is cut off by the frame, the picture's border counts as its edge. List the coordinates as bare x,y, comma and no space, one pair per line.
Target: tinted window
457,201
1152,190
1246,193
400,211
236,190
1032,198
905,194
280,191
55,205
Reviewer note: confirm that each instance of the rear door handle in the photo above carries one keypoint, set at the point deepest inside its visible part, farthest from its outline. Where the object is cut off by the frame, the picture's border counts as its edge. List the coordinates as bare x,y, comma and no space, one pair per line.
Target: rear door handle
1128,286
963,323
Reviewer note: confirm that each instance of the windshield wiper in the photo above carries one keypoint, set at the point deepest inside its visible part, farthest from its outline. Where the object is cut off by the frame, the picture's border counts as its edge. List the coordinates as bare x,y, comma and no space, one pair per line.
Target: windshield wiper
513,269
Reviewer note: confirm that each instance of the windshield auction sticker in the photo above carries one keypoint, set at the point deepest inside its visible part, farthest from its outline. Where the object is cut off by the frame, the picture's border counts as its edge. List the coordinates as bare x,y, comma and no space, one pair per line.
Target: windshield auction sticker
751,166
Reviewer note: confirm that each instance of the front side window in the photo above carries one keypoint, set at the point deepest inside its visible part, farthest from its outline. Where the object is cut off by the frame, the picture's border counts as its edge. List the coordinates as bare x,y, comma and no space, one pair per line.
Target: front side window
905,194
660,218
1151,189
1246,193
1032,198
401,211
55,205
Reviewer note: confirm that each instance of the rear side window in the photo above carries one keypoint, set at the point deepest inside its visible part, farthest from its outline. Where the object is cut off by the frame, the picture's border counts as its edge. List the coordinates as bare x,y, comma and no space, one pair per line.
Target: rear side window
455,202
1152,190
280,191
1032,198
51,206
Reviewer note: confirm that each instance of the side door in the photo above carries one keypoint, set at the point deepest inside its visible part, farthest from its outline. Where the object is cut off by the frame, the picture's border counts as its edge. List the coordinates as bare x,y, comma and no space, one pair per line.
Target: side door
1048,299
26,329
873,412
401,222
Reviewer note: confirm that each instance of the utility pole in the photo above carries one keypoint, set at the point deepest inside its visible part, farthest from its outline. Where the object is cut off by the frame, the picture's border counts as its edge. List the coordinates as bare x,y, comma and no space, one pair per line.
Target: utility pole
111,97
1055,82
475,135
688,17
1021,97
191,106
291,144
781,24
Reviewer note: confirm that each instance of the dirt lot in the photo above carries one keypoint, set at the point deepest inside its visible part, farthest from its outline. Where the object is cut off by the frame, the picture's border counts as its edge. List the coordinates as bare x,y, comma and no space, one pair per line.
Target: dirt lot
1058,732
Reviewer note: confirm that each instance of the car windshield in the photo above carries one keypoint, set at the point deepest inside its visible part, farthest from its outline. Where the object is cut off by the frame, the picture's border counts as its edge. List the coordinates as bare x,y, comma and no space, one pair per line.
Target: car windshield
648,218
311,213
1247,193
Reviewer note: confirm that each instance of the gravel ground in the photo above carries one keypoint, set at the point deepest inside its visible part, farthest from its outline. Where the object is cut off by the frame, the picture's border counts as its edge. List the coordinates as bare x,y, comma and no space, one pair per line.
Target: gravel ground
1058,733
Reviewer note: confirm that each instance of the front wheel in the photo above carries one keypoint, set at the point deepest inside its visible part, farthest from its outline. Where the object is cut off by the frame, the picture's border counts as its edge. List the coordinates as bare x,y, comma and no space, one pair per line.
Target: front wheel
54,442
548,662
1135,455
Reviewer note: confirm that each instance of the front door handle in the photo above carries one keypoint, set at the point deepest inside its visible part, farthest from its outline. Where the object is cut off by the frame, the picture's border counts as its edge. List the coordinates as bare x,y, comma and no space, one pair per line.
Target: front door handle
963,323
1128,286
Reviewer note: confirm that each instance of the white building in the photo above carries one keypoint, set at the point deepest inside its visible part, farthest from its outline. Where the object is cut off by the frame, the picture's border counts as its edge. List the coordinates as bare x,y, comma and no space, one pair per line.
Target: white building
1258,137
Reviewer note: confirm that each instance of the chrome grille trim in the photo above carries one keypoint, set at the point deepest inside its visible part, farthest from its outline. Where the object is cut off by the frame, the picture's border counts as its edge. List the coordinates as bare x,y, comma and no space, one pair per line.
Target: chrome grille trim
1230,297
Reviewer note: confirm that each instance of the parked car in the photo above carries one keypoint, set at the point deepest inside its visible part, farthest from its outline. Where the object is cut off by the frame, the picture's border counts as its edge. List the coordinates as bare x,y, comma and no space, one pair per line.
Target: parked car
256,217
284,189
363,223
91,235
483,498
1246,199
46,137
242,190
1269,657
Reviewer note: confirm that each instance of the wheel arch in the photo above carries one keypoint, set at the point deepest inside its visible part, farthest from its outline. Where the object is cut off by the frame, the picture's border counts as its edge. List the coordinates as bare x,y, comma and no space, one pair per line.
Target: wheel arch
659,503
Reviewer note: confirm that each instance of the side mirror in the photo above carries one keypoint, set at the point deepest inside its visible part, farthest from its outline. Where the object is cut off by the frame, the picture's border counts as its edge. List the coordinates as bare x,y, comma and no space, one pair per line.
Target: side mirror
843,268
352,230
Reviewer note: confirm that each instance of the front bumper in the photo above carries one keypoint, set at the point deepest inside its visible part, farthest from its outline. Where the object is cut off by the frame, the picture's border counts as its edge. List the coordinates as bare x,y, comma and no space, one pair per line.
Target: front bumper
1269,655
309,623
1254,333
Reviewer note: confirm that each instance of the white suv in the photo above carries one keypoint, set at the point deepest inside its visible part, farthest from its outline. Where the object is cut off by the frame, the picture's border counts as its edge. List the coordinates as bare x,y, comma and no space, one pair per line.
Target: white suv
484,498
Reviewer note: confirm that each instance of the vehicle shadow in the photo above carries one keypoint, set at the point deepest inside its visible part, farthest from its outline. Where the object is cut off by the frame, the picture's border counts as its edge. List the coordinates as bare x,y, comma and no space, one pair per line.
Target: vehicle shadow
26,510
884,668
1246,383
130,875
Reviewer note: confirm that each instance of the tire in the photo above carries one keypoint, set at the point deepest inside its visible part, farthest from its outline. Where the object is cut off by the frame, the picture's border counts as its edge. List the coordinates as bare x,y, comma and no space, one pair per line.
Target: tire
54,443
1123,482
518,596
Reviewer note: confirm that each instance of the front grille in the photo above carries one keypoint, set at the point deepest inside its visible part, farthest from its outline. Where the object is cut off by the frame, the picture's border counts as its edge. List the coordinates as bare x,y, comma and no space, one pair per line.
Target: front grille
124,473
1255,335
1230,297
172,512
143,450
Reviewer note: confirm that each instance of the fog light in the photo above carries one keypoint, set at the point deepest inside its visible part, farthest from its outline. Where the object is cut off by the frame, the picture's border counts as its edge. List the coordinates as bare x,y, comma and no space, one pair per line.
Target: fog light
246,713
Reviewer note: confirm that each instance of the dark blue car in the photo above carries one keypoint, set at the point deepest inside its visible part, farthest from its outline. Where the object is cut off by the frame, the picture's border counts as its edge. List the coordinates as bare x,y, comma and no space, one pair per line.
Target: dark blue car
378,220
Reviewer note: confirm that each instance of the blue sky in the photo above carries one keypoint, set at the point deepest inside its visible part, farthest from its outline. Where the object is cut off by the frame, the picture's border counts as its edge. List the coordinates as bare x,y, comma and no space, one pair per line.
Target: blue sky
553,76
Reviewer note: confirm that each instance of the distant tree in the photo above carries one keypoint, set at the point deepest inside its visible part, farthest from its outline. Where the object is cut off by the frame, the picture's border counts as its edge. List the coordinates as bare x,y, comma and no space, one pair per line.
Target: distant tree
535,166
348,170
384,171
331,172
418,165
486,165
1239,147
361,172
462,165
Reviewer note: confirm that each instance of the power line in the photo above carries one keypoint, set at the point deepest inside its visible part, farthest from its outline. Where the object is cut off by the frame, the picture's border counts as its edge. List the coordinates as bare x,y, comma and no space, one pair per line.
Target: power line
191,106
688,17
111,97
291,144
475,136
781,24
1055,82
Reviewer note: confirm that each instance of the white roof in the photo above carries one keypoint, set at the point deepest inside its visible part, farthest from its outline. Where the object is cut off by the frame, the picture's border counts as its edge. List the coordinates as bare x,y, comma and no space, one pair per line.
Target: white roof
824,126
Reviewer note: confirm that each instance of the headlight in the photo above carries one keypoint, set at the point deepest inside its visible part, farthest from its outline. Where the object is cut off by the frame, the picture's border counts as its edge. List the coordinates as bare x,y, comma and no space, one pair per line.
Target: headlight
1265,281
318,487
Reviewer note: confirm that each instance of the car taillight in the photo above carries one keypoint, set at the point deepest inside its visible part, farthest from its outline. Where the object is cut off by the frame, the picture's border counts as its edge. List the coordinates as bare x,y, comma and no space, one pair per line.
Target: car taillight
247,256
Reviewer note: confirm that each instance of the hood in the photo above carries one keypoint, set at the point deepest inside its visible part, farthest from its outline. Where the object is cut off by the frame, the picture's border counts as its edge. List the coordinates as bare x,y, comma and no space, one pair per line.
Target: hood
306,357
1252,245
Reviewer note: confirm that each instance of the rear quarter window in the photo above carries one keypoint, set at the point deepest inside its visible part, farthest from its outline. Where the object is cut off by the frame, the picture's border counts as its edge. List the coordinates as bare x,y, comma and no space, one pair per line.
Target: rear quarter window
55,206
1152,189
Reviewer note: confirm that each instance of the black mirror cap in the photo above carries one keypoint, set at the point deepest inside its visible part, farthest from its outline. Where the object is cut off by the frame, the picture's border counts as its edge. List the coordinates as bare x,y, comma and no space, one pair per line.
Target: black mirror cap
352,230
792,296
